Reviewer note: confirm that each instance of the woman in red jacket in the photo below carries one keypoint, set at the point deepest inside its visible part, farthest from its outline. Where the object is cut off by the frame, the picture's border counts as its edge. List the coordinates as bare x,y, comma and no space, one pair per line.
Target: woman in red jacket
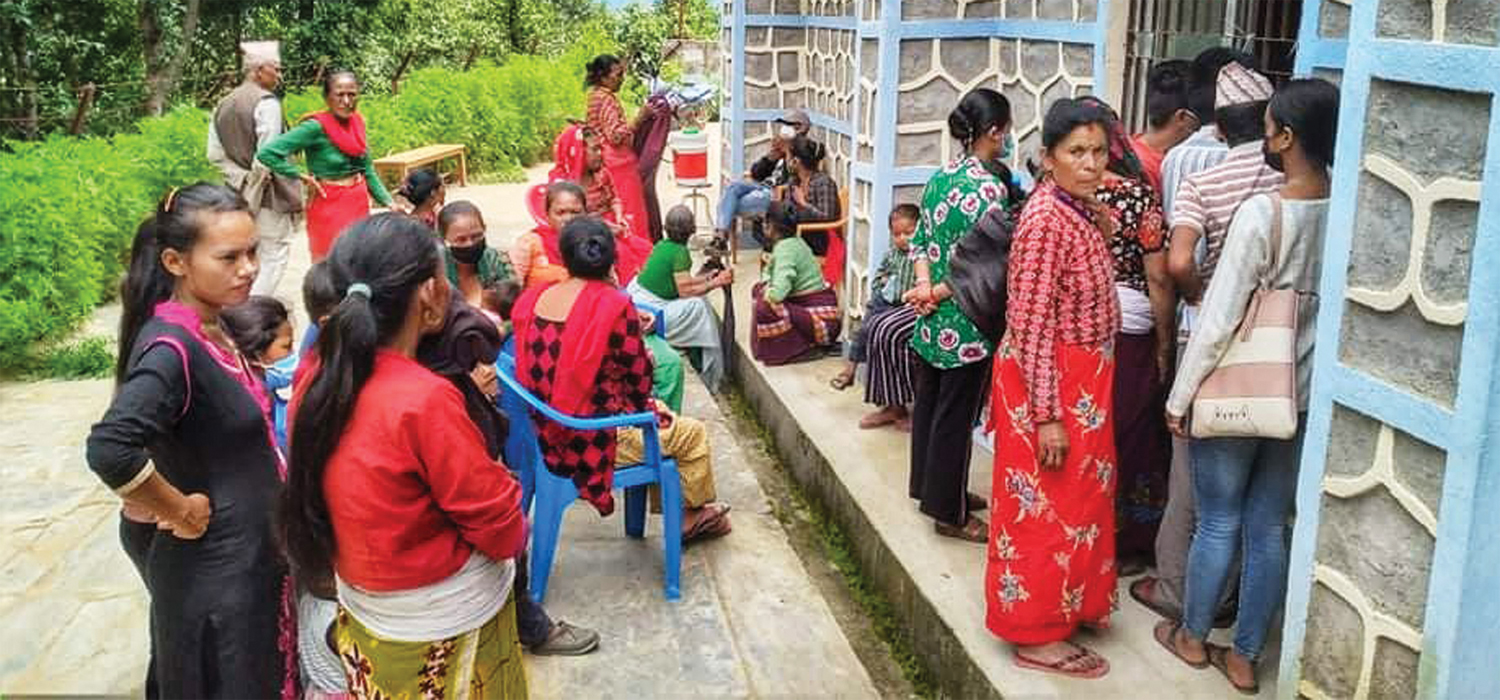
391,492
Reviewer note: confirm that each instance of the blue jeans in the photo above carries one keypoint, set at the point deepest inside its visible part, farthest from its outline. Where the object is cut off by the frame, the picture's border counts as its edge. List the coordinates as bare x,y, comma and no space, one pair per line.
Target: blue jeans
1245,488
742,197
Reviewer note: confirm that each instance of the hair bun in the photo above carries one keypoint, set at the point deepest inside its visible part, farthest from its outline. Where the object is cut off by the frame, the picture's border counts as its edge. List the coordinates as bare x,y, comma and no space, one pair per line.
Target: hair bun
959,125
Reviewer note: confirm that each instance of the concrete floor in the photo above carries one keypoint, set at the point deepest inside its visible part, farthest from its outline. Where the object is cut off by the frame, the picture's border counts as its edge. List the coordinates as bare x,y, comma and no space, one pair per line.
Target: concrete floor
750,622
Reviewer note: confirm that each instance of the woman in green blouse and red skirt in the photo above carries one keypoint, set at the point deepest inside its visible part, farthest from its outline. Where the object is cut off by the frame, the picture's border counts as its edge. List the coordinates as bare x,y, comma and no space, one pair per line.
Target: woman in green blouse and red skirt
341,178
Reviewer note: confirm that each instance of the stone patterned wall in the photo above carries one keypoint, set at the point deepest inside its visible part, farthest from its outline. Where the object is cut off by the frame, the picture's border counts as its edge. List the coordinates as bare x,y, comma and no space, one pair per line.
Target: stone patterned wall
1405,304
935,74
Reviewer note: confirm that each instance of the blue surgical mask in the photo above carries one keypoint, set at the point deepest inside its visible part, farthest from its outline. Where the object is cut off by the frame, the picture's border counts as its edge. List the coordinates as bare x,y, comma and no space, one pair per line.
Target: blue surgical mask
1008,146
279,374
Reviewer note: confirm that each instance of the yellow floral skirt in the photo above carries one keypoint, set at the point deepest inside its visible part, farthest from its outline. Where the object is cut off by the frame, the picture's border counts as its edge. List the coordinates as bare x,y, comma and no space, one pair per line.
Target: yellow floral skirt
482,663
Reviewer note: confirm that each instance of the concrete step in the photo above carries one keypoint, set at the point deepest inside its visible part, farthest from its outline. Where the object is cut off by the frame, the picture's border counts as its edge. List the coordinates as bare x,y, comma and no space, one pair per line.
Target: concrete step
935,584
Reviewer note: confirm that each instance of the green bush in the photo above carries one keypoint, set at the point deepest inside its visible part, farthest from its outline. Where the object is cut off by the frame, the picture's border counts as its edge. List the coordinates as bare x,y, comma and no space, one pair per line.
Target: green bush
90,358
70,206
67,213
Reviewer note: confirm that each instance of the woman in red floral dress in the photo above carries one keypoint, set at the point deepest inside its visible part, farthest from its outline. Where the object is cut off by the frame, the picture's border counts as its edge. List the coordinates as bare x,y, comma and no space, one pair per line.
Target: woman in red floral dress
1051,565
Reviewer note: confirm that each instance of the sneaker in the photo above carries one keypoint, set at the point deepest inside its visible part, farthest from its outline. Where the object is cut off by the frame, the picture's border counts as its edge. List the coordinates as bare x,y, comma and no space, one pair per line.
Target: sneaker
567,640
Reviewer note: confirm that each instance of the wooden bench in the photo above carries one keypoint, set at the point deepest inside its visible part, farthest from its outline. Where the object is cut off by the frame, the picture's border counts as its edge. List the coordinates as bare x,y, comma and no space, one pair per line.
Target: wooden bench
399,165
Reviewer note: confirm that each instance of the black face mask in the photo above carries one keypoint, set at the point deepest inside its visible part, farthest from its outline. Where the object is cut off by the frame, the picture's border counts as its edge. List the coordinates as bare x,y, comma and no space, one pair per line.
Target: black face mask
1273,160
468,255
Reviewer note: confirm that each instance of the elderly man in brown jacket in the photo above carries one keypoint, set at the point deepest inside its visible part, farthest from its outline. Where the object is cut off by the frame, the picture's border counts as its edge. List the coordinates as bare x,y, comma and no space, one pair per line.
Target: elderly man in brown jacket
246,119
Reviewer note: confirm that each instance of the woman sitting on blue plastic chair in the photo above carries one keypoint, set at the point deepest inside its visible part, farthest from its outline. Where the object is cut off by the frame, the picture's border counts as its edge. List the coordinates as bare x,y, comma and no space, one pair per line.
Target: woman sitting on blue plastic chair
579,347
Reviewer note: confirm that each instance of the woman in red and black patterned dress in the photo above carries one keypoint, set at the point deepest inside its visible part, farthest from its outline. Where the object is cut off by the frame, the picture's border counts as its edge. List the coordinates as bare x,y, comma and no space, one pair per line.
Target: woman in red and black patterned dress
1143,349
1051,565
579,347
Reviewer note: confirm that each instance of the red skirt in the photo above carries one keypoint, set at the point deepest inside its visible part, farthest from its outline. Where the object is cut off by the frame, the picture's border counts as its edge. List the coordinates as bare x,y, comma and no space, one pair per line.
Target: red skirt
1051,555
636,245
330,213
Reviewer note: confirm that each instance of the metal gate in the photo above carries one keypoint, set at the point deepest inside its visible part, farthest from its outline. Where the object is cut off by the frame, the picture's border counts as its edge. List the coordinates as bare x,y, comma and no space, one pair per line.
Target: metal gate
1161,30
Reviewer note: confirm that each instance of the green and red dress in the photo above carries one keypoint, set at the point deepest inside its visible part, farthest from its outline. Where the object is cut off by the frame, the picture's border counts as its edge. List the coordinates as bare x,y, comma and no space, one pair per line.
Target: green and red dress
338,155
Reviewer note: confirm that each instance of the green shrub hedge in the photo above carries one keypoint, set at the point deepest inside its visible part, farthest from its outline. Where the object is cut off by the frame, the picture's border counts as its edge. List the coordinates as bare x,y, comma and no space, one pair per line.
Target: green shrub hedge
69,206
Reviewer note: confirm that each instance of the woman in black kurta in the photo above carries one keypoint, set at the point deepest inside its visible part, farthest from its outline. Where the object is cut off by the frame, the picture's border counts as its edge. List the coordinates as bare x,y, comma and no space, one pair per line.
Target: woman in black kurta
189,404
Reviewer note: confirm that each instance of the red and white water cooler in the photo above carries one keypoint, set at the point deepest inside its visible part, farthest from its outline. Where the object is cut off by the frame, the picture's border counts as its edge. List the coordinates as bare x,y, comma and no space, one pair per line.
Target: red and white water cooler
689,157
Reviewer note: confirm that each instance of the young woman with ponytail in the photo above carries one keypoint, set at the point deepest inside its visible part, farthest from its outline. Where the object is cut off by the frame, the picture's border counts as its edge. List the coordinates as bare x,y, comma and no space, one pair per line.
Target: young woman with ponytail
421,536
187,444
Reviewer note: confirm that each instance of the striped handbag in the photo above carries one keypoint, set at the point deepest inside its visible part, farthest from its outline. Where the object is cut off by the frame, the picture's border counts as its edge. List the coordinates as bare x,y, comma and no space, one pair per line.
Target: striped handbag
1253,390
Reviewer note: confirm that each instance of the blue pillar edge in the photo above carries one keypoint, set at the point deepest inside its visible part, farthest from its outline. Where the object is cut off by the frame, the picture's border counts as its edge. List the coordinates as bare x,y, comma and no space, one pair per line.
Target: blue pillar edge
1355,87
736,133
1458,635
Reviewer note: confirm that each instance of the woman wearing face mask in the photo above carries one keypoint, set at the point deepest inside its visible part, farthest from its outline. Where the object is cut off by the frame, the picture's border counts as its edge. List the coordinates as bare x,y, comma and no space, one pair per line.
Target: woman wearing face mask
471,265
421,537
1245,487
341,178
187,445
953,363
1051,565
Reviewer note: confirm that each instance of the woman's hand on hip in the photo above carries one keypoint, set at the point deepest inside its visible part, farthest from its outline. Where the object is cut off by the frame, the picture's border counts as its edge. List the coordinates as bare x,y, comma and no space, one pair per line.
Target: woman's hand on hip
1052,445
313,185
191,520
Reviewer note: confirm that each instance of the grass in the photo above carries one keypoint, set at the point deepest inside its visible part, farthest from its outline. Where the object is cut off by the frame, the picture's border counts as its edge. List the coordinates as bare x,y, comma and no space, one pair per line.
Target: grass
89,358
840,552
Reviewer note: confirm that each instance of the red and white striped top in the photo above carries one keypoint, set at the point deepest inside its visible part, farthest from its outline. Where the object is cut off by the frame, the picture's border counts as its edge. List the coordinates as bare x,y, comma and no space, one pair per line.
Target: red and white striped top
1206,201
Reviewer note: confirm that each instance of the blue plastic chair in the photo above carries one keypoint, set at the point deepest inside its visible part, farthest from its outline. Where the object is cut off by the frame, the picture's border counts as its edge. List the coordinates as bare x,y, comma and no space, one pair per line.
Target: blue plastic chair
547,496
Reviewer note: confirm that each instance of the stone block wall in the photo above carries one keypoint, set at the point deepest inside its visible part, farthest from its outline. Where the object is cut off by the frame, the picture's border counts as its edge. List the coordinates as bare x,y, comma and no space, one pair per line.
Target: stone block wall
1377,605
880,76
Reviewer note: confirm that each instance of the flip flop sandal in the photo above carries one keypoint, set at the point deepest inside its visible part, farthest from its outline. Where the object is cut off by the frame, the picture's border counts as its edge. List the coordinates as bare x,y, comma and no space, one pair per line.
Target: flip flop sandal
976,530
706,525
977,502
841,382
1218,657
1169,643
1138,592
1062,666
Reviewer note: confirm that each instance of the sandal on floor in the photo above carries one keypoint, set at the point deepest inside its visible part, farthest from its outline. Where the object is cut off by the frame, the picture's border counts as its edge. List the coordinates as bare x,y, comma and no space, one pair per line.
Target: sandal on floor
1218,657
977,502
708,525
1169,642
1138,591
841,381
975,530
1072,665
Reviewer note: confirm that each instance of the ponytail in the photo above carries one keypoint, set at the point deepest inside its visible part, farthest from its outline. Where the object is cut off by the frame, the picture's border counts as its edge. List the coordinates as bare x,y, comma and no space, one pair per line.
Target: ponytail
376,267
175,225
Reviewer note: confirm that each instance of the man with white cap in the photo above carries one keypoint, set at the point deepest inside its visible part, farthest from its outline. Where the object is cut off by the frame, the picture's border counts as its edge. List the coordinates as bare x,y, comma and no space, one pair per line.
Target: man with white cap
1202,210
752,195
246,119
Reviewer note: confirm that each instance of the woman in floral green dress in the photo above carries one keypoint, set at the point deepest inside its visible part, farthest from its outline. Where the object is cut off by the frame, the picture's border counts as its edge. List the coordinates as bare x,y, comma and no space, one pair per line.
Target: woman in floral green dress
954,366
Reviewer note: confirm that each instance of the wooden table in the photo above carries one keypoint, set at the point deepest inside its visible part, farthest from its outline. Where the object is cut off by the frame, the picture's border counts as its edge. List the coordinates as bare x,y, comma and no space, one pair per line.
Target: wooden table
401,164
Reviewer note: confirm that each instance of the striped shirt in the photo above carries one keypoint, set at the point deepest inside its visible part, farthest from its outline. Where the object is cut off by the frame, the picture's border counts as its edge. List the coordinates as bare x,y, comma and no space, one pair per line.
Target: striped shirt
1206,201
1201,151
